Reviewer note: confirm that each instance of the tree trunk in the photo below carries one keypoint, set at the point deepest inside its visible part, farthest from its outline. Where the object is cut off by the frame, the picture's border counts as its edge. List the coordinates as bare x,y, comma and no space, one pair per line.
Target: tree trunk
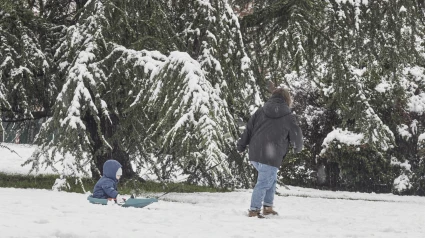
80,4
100,155
332,172
41,5
31,4
117,154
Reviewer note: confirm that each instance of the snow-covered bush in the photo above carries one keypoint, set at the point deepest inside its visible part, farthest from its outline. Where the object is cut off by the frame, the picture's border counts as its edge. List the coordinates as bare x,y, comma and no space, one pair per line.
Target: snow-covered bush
60,184
402,184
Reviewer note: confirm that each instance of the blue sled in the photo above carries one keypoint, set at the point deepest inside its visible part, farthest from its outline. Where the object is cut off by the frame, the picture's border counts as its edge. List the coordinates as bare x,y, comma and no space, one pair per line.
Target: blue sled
131,202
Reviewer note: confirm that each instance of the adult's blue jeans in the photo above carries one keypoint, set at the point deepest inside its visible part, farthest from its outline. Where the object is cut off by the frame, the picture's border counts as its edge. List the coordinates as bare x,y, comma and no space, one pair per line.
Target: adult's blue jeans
265,188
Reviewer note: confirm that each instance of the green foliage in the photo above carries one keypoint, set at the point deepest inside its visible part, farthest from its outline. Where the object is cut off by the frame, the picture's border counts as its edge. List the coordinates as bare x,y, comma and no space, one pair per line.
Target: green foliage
23,181
11,5
124,187
295,170
145,107
417,180
24,65
348,64
140,25
196,138
361,168
212,35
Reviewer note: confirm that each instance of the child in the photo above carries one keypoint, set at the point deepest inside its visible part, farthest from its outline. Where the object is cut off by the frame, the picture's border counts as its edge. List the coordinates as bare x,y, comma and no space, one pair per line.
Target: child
106,187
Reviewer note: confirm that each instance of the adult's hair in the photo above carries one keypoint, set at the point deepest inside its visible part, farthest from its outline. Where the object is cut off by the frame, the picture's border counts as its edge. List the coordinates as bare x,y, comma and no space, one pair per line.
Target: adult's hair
285,93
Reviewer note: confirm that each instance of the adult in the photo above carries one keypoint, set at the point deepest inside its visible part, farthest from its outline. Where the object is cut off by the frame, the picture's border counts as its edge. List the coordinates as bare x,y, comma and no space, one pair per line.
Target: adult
269,132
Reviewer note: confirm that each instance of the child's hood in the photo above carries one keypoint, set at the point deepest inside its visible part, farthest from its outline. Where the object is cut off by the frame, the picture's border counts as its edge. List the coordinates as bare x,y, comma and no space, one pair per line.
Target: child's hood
110,168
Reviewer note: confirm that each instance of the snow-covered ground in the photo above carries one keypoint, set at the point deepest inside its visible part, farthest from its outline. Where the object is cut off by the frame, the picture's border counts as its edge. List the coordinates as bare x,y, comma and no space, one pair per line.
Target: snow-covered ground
42,213
303,213
10,161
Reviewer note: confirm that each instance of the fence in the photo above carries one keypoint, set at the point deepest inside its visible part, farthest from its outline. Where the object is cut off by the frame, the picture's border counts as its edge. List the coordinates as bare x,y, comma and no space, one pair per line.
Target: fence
20,132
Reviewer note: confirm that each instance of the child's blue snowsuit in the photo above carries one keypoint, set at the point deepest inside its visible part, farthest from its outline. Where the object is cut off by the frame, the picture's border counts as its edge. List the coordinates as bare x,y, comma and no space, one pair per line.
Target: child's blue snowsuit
106,187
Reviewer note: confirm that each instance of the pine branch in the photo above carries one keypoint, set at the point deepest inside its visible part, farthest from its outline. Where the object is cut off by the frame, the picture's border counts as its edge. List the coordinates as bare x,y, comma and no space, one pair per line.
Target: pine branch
12,151
35,116
276,10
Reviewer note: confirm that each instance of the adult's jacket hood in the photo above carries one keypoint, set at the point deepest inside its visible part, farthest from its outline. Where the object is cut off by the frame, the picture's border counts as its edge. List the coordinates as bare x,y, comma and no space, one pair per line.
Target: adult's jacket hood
276,107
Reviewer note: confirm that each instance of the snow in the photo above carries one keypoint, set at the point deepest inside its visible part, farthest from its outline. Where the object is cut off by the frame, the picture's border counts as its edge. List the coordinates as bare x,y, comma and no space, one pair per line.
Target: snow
60,183
7,61
303,213
11,160
414,79
358,72
404,165
61,214
417,103
312,113
328,90
342,136
63,65
353,2
402,183
421,137
383,87
245,63
403,130
414,126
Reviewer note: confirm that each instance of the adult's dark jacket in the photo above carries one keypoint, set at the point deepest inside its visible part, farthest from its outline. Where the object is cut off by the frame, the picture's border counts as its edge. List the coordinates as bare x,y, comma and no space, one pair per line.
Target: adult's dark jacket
269,132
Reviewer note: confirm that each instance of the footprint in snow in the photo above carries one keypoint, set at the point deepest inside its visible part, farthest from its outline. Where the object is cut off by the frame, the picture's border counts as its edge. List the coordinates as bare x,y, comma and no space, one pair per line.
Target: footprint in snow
41,221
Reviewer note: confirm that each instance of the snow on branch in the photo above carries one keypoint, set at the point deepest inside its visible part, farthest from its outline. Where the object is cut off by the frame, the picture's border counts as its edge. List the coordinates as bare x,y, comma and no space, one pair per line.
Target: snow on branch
193,119
342,136
71,144
414,79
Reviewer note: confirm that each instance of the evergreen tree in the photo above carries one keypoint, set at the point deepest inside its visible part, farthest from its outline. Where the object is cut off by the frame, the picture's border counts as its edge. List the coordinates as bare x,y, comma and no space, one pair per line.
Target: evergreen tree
26,64
409,155
23,64
89,118
374,58
189,120
139,122
338,57
212,35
